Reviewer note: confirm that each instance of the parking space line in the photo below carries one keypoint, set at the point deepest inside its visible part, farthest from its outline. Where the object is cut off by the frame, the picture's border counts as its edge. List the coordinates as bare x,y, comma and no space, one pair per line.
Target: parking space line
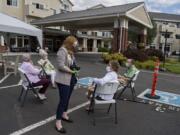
10,86
5,77
43,122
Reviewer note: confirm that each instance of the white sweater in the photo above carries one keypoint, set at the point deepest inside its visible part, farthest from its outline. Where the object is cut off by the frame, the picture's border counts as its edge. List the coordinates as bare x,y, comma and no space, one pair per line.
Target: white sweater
109,77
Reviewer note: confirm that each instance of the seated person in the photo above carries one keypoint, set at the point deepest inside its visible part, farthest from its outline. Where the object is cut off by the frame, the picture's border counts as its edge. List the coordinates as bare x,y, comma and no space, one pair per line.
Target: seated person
33,74
48,67
110,76
131,70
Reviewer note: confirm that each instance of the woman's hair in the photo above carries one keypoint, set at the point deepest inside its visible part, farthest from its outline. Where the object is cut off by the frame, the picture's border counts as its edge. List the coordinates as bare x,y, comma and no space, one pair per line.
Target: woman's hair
26,57
114,65
69,42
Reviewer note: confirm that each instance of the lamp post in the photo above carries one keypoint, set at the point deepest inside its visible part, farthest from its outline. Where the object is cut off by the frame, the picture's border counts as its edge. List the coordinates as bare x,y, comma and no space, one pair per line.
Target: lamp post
165,44
179,50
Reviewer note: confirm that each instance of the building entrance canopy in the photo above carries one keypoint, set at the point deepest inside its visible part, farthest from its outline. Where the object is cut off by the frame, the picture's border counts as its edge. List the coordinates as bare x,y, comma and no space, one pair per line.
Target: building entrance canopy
104,18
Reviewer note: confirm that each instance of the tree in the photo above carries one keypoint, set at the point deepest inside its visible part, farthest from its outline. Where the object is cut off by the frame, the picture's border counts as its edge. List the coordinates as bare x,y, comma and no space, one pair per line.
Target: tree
151,33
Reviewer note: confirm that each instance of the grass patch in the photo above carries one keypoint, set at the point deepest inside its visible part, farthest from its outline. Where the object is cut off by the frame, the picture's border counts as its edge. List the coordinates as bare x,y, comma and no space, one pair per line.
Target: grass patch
171,65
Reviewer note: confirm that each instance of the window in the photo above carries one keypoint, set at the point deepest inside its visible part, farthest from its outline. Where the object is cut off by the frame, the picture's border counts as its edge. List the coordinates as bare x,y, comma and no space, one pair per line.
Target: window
94,33
26,41
13,41
19,41
66,7
178,25
177,36
12,3
39,6
165,23
84,33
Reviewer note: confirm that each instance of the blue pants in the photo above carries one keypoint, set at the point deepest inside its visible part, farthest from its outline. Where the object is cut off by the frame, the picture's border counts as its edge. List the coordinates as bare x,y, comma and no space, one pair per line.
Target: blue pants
65,92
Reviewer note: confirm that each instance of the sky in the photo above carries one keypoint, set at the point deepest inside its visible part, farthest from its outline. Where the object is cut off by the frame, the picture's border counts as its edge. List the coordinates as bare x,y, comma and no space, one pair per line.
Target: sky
165,6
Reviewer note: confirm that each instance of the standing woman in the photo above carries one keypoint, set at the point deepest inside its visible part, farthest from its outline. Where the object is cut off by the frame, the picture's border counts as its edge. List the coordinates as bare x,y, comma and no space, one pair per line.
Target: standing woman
65,80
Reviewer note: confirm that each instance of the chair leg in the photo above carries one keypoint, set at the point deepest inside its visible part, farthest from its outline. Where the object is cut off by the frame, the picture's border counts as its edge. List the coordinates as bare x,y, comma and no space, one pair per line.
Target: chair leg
94,119
116,121
91,106
109,108
25,95
120,94
22,90
35,92
133,94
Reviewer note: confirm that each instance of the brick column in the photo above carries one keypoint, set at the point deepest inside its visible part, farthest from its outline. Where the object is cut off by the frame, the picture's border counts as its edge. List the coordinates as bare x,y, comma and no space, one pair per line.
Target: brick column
123,35
115,42
120,41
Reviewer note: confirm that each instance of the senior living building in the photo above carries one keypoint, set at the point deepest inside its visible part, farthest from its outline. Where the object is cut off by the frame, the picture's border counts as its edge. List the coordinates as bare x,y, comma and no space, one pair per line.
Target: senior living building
171,24
29,10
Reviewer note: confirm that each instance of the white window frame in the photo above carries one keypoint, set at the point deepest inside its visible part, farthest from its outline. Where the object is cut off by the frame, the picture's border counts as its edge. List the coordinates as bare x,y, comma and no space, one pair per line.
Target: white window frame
13,5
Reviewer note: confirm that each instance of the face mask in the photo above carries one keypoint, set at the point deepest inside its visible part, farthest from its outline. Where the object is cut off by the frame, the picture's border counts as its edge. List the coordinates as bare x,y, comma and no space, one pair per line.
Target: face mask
75,44
108,68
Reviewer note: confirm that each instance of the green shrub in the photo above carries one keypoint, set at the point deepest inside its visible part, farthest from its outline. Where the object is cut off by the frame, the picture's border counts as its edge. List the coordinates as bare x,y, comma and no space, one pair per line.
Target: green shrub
100,49
114,56
154,53
149,65
136,54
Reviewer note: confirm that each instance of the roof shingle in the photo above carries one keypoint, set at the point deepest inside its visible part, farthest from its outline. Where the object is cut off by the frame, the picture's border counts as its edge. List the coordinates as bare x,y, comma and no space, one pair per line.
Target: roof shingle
164,16
120,9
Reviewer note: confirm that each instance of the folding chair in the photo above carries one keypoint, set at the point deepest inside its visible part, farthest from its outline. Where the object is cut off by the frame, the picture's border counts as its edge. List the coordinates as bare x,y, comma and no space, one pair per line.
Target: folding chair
26,87
108,88
1,60
130,84
11,65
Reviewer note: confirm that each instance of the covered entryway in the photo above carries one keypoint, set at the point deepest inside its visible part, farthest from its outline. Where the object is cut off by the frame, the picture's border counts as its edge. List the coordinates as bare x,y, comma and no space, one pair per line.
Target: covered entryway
117,19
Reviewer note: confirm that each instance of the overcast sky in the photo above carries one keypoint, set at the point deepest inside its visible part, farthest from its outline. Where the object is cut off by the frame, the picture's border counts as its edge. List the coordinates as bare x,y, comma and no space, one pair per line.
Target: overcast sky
167,6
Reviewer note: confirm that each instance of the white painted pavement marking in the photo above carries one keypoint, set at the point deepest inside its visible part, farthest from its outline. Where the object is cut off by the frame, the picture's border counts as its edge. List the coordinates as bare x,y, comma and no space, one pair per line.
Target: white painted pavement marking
5,77
43,122
10,86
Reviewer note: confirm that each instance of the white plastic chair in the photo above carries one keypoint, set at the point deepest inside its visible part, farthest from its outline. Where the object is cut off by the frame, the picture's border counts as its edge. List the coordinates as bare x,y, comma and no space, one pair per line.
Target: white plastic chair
26,86
108,88
11,65
130,84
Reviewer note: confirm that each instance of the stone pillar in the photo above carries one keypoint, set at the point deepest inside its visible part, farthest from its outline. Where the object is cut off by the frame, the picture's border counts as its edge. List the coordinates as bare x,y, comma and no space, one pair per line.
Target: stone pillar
120,40
95,49
85,44
143,36
102,44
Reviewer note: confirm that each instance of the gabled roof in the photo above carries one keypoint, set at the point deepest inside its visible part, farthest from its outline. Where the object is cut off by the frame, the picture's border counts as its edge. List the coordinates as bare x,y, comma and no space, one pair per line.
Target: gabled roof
76,15
165,16
97,6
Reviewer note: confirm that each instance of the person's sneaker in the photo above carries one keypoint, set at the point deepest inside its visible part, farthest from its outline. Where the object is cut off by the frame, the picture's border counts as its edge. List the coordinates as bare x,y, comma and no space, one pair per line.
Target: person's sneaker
42,96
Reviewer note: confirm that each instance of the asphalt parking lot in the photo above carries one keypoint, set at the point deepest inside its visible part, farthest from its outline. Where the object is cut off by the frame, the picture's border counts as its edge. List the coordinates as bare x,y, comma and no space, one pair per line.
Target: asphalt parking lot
133,118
